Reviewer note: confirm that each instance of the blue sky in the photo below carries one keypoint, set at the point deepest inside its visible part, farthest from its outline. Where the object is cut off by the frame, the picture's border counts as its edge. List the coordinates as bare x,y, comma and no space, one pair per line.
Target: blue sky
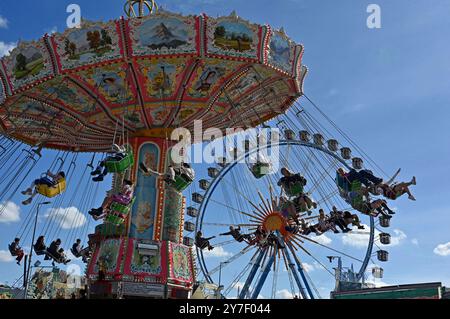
388,88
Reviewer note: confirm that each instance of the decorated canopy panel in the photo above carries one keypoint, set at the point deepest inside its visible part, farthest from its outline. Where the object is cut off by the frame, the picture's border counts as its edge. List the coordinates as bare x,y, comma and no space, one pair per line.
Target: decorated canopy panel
72,89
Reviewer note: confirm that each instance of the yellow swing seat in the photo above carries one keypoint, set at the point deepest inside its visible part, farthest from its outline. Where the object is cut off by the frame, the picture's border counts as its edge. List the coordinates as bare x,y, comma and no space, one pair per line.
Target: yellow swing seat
51,191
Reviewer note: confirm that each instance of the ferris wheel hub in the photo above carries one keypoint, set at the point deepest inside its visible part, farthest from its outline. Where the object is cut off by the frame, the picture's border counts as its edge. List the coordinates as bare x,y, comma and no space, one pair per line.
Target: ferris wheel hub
275,222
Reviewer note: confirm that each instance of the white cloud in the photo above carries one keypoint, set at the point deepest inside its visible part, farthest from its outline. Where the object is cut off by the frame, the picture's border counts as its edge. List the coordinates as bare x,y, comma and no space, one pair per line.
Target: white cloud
360,239
9,212
3,22
398,237
308,267
442,249
217,252
415,241
5,256
284,294
5,48
67,218
322,239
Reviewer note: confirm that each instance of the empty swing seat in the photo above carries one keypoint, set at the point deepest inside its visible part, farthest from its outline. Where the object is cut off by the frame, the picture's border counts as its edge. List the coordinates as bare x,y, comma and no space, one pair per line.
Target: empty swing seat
122,165
51,191
181,182
260,169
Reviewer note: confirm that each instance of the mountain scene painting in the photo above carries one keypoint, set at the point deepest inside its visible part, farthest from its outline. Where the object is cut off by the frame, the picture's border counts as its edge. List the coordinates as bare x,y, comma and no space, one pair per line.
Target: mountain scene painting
280,50
232,35
85,44
158,33
28,62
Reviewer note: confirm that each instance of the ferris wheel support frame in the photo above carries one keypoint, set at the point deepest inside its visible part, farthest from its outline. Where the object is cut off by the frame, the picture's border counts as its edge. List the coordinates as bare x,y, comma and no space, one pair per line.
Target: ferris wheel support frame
216,181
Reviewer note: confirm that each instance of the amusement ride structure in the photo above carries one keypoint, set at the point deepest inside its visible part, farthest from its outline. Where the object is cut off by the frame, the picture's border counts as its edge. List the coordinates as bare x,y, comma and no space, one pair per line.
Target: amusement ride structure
131,82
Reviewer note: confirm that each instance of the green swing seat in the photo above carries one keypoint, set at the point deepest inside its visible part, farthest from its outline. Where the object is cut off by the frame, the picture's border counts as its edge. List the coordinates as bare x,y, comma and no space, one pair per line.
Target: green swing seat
260,169
110,230
121,209
114,219
181,182
344,185
294,189
122,165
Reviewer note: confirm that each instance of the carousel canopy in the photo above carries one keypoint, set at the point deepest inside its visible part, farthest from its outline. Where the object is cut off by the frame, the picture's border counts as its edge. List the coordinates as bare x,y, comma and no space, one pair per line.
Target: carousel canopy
72,90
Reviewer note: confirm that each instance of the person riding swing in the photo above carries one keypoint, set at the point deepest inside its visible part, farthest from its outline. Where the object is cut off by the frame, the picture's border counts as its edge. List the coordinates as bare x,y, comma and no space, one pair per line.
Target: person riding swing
50,180
118,153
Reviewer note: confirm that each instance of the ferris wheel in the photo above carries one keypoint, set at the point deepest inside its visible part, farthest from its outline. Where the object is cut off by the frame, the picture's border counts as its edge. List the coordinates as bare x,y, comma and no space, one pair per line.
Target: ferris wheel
237,199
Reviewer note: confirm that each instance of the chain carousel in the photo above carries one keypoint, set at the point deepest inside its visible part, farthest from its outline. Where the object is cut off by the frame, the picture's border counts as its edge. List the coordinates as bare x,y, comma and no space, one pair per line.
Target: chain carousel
130,82
90,94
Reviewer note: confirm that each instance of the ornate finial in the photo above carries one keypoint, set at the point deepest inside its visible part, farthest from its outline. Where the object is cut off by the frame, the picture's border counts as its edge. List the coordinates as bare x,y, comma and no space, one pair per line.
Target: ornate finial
233,14
130,5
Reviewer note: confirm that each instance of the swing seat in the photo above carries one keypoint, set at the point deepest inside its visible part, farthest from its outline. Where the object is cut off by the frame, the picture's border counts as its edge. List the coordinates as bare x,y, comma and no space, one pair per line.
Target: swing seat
343,184
122,165
11,251
294,189
51,191
110,230
120,208
181,182
114,219
260,169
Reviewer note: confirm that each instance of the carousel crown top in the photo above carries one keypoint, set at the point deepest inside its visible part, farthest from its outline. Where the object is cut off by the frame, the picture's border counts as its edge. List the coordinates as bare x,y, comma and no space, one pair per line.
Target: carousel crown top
146,72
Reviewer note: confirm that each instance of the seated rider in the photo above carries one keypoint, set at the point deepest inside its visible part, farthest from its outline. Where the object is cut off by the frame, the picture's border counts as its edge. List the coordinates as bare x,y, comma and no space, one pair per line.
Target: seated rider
16,250
304,203
202,242
118,153
365,177
237,235
375,208
337,217
77,248
184,170
352,219
52,250
124,197
289,180
396,190
307,229
260,236
325,223
51,181
61,257
39,247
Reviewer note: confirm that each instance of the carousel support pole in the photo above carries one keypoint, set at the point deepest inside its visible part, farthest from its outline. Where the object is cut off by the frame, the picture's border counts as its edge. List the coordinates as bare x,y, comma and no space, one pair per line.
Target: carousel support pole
252,274
263,278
